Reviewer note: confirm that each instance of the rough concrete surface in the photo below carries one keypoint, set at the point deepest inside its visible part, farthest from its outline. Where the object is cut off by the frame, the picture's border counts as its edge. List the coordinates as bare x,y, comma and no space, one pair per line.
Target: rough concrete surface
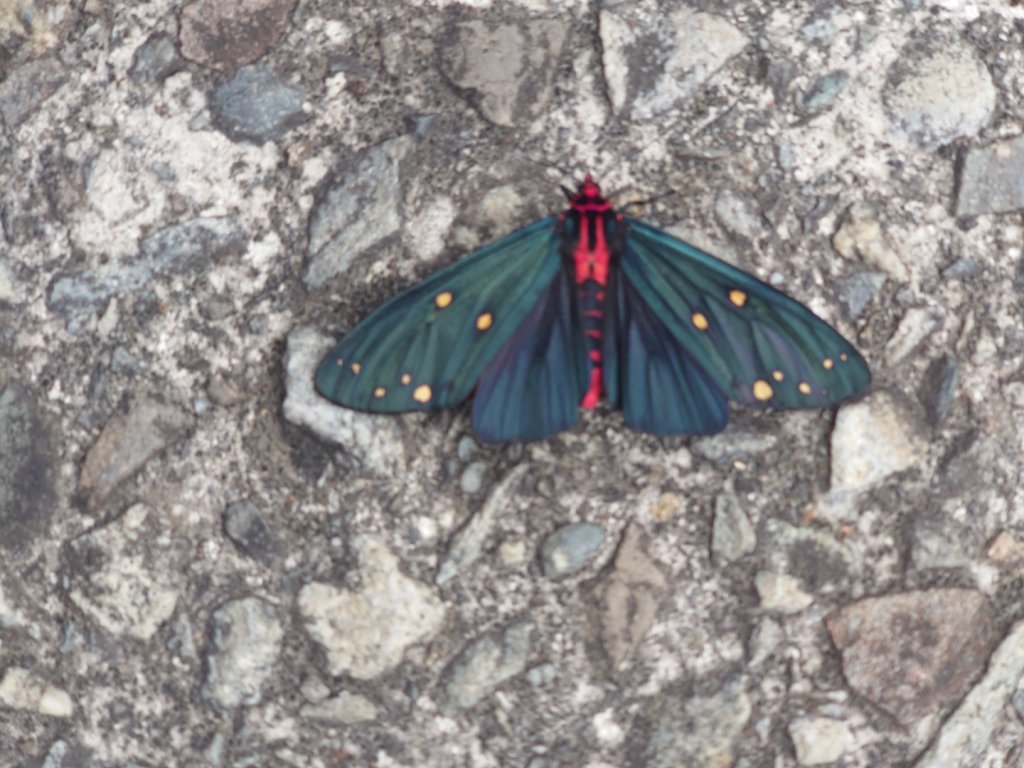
203,563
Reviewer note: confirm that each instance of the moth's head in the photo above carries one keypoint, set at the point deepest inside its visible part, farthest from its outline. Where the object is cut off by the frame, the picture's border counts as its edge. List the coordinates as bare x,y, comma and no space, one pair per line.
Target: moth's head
587,196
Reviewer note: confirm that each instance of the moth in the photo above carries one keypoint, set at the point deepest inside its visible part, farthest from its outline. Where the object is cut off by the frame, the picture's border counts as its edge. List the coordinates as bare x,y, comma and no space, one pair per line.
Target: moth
585,305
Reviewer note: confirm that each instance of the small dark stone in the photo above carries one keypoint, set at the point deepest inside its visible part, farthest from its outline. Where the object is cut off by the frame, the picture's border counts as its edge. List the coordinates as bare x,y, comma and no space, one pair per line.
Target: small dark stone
27,87
938,388
248,529
825,90
256,106
156,59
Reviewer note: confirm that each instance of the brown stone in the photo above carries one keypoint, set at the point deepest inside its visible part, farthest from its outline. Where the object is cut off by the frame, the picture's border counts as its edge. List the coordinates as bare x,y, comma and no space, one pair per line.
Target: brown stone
915,652
226,36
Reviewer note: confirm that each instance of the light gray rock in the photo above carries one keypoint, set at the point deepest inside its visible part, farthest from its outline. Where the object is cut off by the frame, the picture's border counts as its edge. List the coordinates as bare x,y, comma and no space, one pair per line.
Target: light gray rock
358,210
732,535
857,291
992,180
871,441
128,441
781,592
917,325
345,708
825,91
374,440
967,732
820,740
508,69
28,469
366,631
467,544
247,638
738,214
914,652
21,689
488,663
654,62
472,479
11,290
568,549
126,576
937,94
861,236
626,600
731,444
932,546
256,106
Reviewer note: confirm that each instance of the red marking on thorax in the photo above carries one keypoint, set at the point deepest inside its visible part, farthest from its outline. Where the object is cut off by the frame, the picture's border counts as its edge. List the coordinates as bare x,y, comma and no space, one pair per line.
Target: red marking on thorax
591,261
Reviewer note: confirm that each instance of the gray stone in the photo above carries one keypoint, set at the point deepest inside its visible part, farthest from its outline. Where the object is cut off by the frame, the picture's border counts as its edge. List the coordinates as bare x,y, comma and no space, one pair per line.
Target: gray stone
472,479
781,592
730,445
126,576
738,214
857,291
626,600
11,290
825,91
992,179
28,469
345,708
932,546
655,62
247,638
1018,701
256,106
226,36
128,441
966,734
939,387
568,549
248,529
871,441
508,70
24,89
366,631
913,653
937,94
489,662
21,689
732,535
156,59
861,236
820,740
917,325
468,543
356,212
375,441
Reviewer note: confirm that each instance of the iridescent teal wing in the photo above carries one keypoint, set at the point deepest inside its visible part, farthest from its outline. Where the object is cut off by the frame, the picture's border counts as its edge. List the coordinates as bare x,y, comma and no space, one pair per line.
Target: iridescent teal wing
754,344
429,347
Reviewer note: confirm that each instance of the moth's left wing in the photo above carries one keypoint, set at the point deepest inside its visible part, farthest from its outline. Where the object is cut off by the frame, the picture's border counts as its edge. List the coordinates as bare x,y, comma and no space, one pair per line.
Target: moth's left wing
757,345
427,347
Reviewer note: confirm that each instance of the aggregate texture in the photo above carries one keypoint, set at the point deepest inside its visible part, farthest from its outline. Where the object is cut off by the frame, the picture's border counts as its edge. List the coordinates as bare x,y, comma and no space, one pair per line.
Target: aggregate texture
203,563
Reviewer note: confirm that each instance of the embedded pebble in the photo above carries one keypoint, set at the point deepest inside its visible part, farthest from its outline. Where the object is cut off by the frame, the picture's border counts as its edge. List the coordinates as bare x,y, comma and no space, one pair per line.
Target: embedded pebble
654,62
933,545
937,95
825,91
732,535
488,662
508,69
917,325
128,441
345,708
857,291
732,444
939,388
226,36
568,549
366,631
373,440
738,214
126,575
22,689
781,592
992,180
246,526
25,88
871,441
247,638
820,740
11,291
861,236
913,652
256,106
472,479
966,734
156,59
27,450
358,210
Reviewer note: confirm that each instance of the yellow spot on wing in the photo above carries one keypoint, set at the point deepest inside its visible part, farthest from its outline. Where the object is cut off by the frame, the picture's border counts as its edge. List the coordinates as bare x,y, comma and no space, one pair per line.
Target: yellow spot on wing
356,368
763,390
804,387
827,363
737,297
777,375
422,394
379,392
406,379
483,322
443,299
700,321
